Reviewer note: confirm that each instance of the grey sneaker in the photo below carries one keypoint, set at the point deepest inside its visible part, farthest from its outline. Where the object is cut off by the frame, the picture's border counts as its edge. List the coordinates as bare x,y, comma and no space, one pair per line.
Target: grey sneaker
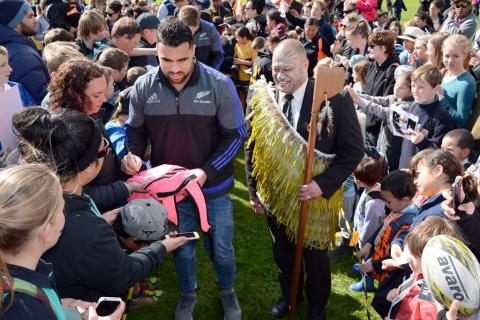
185,306
231,307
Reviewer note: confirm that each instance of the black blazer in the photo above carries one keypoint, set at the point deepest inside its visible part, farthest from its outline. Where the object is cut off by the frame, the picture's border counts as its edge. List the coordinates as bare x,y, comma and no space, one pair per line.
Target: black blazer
345,141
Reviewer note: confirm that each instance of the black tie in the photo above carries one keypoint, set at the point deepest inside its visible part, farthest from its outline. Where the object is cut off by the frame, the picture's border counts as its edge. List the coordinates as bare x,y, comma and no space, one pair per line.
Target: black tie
287,107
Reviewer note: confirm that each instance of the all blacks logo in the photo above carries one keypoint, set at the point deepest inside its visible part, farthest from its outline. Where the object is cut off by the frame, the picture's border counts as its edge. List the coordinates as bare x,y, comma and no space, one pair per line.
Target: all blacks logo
452,278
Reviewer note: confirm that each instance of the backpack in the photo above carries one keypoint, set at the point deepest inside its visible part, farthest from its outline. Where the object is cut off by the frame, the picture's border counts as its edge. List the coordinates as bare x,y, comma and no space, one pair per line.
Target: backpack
28,288
169,184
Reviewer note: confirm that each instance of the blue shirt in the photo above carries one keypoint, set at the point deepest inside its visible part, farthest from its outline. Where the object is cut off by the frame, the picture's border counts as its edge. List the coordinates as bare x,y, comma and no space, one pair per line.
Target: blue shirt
459,95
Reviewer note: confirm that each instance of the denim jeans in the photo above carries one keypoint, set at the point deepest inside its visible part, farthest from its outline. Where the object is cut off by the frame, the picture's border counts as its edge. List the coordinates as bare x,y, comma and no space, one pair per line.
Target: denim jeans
217,244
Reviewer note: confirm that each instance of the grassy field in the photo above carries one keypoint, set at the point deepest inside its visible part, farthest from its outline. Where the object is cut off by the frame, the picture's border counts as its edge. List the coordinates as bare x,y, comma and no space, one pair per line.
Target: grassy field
256,283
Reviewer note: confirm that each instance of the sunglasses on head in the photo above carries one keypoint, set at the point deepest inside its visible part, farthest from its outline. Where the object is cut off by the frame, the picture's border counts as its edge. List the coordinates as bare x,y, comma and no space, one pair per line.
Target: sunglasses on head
106,148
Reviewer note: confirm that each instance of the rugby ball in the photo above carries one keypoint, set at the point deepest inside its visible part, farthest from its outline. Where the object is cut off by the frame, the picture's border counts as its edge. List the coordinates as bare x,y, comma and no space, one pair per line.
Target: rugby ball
452,272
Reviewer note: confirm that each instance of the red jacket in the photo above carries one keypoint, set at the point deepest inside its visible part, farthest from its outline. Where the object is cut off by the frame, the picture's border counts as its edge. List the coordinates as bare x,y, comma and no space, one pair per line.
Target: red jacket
413,308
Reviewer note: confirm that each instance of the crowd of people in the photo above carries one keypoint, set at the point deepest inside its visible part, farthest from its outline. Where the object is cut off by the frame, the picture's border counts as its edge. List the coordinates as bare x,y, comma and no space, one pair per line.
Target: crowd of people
109,89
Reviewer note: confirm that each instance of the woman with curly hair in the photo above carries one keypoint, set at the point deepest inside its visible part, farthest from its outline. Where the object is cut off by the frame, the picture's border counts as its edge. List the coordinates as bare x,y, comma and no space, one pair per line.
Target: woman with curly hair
81,85
78,85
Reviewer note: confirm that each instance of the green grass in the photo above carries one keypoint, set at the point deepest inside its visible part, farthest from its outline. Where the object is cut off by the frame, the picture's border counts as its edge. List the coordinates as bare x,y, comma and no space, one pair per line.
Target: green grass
256,284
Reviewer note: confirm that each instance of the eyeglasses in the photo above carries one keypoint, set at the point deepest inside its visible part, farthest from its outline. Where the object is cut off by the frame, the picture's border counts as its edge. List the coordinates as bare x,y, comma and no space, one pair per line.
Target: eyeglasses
462,5
106,148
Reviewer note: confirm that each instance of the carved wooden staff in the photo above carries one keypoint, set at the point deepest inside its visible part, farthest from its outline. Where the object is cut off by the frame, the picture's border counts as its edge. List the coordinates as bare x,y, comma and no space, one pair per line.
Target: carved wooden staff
328,82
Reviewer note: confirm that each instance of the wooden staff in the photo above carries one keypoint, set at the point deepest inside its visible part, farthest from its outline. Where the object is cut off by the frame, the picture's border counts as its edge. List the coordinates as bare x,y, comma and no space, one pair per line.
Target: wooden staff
328,82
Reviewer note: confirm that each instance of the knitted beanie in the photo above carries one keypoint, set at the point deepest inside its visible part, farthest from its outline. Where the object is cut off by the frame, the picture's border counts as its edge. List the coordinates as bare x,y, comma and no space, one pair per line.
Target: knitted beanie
12,12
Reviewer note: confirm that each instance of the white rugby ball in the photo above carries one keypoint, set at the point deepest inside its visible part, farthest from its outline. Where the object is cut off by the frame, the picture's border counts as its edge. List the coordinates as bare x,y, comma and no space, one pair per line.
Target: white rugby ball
452,272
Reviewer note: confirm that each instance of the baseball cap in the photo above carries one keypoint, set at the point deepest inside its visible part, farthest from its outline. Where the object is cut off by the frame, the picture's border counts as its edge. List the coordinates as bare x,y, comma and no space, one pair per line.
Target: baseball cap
144,219
148,21
411,34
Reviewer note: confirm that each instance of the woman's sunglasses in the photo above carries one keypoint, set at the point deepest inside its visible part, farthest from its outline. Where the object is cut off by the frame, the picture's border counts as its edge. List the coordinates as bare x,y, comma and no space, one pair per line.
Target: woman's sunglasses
462,5
106,148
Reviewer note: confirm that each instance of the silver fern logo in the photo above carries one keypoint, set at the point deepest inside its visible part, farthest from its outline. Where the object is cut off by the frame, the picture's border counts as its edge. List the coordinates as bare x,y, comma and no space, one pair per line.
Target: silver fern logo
199,98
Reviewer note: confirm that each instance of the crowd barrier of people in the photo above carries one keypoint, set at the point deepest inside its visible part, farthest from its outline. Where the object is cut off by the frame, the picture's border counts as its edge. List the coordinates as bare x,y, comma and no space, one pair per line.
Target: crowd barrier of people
94,94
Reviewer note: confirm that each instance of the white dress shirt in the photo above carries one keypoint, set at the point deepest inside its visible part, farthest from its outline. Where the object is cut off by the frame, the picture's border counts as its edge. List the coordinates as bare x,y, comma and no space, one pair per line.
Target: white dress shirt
296,102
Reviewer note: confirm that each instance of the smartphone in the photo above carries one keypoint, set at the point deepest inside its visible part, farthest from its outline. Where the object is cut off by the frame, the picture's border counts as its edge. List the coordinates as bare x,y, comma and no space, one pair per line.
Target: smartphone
107,305
189,235
456,185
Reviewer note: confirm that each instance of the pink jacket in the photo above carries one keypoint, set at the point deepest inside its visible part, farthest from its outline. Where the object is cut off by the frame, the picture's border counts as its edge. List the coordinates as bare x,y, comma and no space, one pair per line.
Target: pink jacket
368,9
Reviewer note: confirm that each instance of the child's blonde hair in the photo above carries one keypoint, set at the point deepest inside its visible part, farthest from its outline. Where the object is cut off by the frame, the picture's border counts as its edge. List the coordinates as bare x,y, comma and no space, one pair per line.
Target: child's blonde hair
461,42
57,53
429,74
432,226
361,68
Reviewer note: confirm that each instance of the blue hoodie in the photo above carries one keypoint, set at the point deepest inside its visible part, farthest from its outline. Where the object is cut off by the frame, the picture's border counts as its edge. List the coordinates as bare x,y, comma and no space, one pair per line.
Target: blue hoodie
28,67
431,207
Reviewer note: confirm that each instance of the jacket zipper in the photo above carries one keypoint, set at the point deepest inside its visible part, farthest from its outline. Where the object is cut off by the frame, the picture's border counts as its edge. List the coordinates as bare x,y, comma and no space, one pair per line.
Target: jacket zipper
177,102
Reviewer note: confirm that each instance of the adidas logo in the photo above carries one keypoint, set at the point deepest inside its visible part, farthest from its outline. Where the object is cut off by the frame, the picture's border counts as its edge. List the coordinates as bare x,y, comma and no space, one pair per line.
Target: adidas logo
153,98
203,36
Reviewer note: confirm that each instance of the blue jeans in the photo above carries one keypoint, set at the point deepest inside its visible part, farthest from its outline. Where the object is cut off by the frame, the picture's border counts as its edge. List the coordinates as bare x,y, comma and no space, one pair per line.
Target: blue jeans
217,244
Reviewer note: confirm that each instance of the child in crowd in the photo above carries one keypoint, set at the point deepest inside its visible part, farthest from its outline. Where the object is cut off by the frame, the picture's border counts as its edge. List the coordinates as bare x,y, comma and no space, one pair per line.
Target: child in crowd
92,28
57,34
55,54
370,210
108,106
460,143
5,70
5,84
118,61
411,306
115,127
434,170
243,60
359,73
434,49
36,211
388,144
397,190
419,55
459,87
258,44
433,120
